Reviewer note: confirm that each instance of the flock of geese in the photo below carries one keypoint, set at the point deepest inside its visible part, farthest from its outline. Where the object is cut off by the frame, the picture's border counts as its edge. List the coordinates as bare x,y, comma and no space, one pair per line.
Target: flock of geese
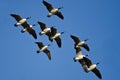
52,34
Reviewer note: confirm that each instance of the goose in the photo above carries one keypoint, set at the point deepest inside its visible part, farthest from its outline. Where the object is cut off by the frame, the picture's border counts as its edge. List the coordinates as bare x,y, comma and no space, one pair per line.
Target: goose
79,43
92,67
43,48
20,21
52,10
45,30
27,27
56,36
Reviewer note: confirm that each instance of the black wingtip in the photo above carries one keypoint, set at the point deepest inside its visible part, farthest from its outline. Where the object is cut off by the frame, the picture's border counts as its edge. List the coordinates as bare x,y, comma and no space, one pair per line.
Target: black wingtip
44,1
11,14
50,59
35,37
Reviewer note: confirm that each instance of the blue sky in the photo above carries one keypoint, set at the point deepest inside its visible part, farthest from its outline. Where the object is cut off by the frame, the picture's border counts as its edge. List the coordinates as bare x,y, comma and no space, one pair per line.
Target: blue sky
98,20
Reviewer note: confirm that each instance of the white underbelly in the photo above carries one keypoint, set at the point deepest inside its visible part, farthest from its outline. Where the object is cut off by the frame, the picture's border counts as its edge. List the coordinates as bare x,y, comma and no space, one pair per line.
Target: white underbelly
21,22
44,48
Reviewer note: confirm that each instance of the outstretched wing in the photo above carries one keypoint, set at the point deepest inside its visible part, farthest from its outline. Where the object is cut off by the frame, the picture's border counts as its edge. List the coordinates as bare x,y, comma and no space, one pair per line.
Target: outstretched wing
53,31
86,47
76,39
48,53
17,17
88,61
42,25
97,73
83,64
59,14
48,5
32,32
58,41
49,35
40,44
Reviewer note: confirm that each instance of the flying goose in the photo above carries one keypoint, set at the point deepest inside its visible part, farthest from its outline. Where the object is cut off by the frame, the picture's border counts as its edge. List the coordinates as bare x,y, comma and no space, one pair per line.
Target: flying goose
79,43
56,36
20,21
45,30
92,67
27,27
43,48
52,10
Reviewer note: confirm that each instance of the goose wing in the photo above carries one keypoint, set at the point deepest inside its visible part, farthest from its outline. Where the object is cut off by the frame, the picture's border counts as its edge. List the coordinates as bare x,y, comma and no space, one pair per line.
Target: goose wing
30,30
47,53
40,44
83,64
48,5
97,73
59,14
53,31
58,41
17,17
49,35
76,39
42,25
86,47
88,61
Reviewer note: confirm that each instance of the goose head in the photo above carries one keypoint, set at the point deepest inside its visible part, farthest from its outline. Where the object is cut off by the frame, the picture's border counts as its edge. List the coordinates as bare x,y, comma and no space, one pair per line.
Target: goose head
86,55
60,7
28,17
97,63
62,32
40,34
38,51
86,39
74,59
